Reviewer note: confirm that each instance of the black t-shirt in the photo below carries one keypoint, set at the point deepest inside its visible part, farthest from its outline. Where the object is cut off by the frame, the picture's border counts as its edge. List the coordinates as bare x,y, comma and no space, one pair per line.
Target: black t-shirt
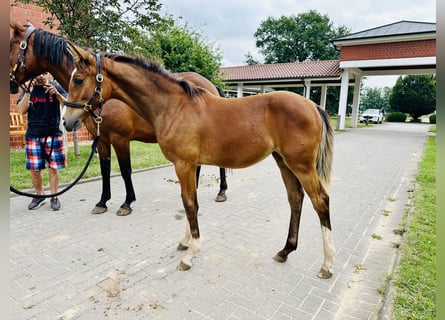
44,112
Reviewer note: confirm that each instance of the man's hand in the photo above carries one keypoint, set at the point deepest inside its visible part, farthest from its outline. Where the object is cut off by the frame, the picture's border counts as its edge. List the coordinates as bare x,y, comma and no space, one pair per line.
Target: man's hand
49,88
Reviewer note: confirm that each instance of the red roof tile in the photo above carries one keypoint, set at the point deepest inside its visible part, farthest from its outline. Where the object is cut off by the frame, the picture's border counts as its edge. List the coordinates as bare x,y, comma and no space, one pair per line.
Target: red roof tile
293,70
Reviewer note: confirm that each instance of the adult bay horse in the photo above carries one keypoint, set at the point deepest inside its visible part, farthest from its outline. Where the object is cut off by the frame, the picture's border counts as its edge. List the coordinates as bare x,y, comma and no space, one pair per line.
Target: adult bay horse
44,51
194,127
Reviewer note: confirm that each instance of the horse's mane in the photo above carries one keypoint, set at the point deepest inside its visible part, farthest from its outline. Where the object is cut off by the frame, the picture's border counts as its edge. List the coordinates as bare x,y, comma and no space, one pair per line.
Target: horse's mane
51,46
152,66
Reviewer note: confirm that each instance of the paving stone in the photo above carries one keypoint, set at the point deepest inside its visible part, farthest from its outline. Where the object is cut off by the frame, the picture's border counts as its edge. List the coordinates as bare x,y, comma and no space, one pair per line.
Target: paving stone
70,264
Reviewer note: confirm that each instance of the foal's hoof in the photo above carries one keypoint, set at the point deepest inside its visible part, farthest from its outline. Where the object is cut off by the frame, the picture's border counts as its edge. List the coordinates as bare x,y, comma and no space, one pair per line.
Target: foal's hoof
324,274
279,258
123,211
99,210
181,247
183,266
220,198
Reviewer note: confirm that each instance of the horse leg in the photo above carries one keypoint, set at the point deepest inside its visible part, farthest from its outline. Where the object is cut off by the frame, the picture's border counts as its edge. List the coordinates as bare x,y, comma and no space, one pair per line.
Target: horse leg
295,197
191,241
123,157
221,197
104,151
320,202
198,172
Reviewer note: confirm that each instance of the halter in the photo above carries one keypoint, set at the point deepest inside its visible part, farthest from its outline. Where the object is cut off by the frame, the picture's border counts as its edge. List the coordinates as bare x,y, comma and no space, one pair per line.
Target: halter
21,58
87,107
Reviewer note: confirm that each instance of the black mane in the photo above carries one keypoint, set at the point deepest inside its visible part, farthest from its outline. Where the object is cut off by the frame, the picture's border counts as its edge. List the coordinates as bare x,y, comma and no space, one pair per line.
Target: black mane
155,67
51,46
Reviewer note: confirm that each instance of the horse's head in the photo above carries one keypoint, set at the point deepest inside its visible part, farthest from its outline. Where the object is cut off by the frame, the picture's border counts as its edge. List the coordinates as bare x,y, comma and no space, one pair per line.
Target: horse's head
87,88
20,55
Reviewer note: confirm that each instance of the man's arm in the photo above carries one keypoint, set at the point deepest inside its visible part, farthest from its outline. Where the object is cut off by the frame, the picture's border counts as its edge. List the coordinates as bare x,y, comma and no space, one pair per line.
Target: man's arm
23,102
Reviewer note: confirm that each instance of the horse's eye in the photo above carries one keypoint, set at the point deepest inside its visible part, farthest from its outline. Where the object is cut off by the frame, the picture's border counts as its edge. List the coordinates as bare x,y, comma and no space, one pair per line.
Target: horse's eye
78,81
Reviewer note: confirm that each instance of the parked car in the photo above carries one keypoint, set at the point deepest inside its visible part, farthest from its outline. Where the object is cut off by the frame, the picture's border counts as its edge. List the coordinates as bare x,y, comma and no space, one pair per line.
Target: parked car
371,115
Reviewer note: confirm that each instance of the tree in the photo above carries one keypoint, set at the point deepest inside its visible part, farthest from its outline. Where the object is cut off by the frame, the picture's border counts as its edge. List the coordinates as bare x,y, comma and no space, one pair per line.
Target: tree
181,48
415,95
250,60
374,98
105,25
298,38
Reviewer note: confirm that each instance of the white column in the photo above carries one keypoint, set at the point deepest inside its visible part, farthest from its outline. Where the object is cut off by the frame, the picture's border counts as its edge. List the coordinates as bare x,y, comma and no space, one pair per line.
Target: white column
323,96
356,100
307,88
343,100
239,90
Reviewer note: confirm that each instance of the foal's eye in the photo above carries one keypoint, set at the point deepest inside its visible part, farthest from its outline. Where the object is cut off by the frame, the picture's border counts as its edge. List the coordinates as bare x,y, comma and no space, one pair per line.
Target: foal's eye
78,81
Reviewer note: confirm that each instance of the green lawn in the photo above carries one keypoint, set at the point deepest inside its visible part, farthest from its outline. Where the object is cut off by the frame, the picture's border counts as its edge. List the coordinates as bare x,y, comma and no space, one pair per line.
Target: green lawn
143,155
348,123
415,279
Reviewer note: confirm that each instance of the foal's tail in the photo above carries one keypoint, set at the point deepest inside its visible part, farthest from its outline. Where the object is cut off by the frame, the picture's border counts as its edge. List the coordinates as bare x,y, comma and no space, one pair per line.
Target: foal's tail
325,150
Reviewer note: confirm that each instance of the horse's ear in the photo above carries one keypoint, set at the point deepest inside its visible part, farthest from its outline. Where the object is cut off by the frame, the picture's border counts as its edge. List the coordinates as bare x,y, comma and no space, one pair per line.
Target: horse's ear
29,23
16,26
79,55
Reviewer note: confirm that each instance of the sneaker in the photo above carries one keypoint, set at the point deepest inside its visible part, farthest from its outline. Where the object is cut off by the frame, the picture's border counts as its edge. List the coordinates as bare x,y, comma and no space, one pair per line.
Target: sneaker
55,203
36,203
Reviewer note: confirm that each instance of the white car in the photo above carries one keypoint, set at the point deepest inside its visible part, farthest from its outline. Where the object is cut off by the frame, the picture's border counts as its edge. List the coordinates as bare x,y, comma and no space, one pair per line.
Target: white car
371,115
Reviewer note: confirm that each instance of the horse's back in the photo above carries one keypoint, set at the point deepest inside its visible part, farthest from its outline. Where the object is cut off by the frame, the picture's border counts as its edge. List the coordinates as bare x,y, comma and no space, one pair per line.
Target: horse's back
280,107
255,126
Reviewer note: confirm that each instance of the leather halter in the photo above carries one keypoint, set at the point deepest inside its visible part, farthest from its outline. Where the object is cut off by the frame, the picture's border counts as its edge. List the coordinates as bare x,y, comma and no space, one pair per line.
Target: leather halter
87,106
21,57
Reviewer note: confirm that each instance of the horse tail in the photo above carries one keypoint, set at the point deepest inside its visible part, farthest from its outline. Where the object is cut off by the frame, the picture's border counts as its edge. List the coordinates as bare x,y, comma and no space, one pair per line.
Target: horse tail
221,92
325,150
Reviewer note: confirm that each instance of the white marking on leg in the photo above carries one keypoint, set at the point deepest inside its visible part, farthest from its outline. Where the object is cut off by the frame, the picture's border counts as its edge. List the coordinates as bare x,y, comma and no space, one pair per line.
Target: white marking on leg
328,248
187,235
194,247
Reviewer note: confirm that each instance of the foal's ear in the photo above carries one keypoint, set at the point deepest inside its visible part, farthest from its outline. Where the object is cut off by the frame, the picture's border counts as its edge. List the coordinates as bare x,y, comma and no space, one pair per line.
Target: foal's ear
79,55
29,24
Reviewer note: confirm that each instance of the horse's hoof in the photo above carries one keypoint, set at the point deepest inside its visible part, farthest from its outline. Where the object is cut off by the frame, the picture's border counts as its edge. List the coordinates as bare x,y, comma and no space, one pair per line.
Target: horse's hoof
220,198
183,267
324,274
279,258
124,211
181,247
99,210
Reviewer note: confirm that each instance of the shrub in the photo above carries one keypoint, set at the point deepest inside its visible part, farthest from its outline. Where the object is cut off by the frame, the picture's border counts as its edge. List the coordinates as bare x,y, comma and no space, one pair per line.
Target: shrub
396,117
433,118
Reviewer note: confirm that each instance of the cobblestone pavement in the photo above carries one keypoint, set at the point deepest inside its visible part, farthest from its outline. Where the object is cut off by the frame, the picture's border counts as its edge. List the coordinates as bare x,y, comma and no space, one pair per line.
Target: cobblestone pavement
70,264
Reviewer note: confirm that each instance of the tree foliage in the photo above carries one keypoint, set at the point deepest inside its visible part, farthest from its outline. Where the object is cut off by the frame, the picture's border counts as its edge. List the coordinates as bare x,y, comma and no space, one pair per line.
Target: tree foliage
375,98
414,95
298,38
181,48
250,60
133,27
106,25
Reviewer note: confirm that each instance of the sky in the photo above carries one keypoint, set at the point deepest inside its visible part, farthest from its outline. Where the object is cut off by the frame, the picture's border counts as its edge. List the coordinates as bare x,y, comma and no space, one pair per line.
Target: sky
230,24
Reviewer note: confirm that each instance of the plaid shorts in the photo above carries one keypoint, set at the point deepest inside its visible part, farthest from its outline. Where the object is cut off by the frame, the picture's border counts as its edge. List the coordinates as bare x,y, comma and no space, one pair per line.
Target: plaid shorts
39,152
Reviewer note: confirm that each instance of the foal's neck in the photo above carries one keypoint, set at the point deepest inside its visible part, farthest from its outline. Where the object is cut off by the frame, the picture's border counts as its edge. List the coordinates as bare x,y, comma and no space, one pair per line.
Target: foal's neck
149,93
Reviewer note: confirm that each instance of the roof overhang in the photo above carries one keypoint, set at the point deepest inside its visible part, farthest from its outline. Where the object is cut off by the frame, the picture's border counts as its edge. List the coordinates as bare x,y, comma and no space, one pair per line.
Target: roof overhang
420,65
385,39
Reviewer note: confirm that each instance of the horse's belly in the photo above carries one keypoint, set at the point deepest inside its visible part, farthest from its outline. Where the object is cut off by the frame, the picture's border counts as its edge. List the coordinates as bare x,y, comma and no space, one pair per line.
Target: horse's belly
239,154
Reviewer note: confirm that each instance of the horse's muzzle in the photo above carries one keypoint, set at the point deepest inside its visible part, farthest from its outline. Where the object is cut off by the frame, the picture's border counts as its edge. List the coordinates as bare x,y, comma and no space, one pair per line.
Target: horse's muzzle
13,87
72,125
